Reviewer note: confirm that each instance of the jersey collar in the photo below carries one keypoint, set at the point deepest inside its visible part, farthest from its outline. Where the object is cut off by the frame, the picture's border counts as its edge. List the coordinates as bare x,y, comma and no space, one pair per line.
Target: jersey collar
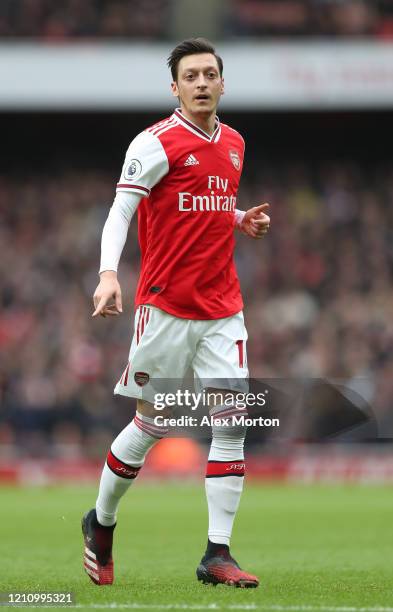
189,125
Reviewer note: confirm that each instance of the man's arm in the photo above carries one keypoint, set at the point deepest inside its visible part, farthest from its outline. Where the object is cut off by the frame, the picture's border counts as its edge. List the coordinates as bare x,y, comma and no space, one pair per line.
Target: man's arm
253,222
144,166
113,239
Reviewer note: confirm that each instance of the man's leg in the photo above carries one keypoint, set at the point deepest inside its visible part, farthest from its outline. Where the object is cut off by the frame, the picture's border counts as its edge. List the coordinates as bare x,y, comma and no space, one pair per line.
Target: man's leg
224,474
124,460
160,349
221,356
224,485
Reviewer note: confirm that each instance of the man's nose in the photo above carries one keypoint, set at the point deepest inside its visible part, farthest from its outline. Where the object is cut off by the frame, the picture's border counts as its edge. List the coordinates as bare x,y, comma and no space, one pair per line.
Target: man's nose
201,81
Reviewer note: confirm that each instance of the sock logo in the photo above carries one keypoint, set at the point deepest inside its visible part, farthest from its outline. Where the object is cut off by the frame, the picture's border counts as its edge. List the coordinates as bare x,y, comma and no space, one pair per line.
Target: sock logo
236,466
127,472
220,469
120,468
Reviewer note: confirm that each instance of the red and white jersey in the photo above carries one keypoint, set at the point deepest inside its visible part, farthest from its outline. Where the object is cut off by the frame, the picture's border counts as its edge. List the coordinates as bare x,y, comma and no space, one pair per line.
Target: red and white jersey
189,182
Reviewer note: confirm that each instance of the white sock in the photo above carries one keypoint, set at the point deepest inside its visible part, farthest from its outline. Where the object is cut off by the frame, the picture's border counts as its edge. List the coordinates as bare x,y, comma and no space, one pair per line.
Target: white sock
224,476
124,460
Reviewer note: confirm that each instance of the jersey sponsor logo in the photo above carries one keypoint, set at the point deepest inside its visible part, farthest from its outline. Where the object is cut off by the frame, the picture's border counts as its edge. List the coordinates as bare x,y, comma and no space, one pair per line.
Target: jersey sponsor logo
206,203
235,158
133,170
210,202
191,161
141,378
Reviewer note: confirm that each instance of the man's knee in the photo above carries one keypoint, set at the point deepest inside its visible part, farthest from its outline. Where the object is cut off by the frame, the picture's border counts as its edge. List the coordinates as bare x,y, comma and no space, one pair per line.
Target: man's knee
228,423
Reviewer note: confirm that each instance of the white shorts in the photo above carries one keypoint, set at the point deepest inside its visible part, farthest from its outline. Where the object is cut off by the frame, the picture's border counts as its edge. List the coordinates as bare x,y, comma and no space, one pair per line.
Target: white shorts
164,348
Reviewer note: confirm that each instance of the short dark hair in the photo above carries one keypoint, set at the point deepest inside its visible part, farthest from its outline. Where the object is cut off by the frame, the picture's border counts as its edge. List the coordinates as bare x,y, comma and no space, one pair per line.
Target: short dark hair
192,46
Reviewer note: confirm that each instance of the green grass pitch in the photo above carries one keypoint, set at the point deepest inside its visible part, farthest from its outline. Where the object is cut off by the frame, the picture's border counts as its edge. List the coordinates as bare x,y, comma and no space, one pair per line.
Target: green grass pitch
313,547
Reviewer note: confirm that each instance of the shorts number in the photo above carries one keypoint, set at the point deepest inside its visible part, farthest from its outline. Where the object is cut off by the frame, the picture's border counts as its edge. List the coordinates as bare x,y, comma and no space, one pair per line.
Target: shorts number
241,352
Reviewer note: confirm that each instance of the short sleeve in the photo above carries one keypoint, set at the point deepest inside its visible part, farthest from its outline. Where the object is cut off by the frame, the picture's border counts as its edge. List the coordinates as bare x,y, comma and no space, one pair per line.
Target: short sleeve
144,166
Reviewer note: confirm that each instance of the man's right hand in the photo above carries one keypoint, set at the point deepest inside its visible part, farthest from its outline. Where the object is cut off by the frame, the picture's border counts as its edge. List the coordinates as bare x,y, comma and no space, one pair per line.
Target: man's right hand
108,289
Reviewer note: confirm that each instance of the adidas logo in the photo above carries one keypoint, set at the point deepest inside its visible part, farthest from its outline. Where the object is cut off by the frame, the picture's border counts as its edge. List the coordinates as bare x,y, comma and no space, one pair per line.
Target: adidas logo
191,161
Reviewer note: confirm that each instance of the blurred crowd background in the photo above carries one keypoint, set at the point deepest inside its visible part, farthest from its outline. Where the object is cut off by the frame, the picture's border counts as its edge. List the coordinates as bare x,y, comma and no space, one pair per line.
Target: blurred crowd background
318,293
318,289
158,19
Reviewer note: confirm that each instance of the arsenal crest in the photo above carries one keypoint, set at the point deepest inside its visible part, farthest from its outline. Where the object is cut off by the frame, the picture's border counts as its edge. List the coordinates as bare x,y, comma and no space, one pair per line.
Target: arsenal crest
235,159
141,378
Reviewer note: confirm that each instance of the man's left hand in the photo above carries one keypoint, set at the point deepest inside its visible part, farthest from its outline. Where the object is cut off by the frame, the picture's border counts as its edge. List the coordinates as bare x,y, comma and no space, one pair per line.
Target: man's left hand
256,222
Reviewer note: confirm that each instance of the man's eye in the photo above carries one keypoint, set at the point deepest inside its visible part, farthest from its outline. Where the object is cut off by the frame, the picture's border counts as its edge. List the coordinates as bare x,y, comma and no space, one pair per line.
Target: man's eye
212,75
189,77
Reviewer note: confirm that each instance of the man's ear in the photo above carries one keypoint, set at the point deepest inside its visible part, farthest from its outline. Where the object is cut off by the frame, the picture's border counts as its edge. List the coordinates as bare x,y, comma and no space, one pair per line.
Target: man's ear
222,87
175,89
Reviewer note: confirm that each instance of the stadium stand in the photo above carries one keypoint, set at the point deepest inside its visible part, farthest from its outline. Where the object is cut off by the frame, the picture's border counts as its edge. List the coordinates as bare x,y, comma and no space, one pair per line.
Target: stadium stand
318,295
318,291
153,19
